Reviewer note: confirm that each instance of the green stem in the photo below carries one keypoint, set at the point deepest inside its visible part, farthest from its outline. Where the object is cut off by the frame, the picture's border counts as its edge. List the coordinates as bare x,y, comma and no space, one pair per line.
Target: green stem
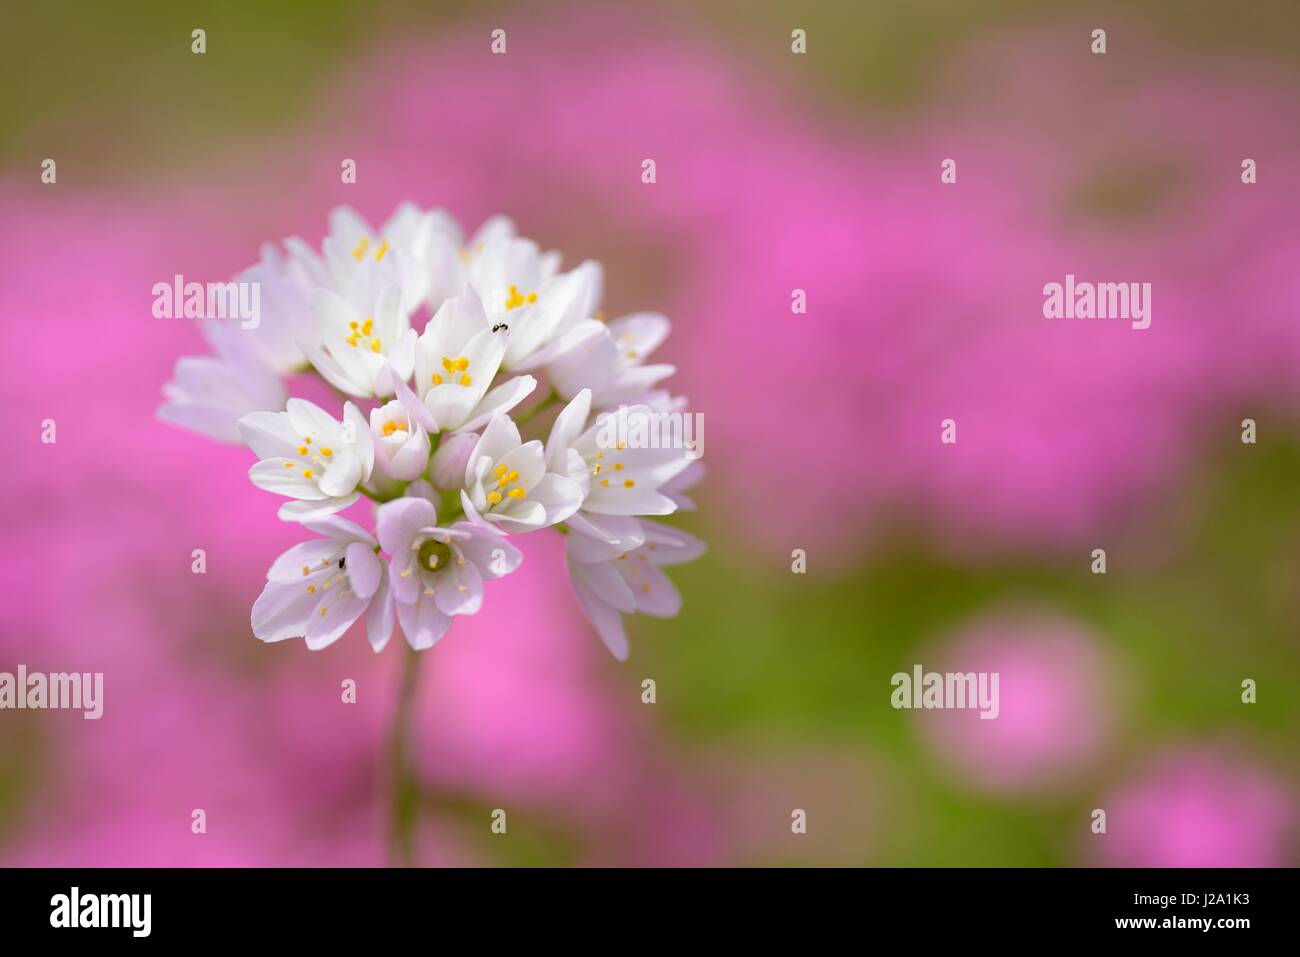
404,783
525,417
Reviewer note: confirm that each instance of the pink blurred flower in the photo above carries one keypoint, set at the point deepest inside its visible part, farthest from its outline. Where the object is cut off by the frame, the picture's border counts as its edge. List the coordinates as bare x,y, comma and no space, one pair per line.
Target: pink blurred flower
1056,706
1198,807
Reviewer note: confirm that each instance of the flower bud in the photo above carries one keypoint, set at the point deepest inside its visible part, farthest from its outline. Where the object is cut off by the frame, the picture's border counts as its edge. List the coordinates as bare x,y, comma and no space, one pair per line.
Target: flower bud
449,461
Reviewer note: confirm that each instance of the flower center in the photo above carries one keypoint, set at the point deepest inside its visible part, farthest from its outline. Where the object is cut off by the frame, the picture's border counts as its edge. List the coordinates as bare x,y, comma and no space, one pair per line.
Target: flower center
603,470
506,477
359,253
434,555
314,459
364,331
390,427
452,367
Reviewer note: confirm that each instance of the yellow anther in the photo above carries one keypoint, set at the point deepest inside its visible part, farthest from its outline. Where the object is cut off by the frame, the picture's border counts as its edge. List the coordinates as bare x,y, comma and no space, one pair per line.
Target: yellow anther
306,473
629,483
499,471
327,452
618,466
494,498
623,557
308,441
465,379
381,251
448,365
604,482
437,379
513,476
323,611
360,251
288,465
462,364
302,450
311,589
596,470
353,324
375,345
367,326
517,299
306,571
600,455
517,493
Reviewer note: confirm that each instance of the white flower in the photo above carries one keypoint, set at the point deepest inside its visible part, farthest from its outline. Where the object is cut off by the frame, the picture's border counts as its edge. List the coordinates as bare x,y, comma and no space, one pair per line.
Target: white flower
451,256
438,573
613,579
619,480
507,483
361,260
610,359
561,316
357,347
456,359
513,279
400,437
319,588
306,454
209,394
285,281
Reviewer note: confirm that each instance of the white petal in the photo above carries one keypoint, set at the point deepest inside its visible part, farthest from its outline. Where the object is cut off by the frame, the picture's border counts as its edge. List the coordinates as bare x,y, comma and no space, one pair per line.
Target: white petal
422,623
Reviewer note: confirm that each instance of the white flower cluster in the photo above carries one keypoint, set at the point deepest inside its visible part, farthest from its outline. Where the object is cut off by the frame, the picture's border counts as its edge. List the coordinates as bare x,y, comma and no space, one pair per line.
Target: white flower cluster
432,431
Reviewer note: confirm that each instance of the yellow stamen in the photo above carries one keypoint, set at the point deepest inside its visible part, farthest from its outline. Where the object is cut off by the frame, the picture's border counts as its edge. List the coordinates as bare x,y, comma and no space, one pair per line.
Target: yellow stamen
361,249
517,493
499,471
437,379
618,466
306,571
311,589
327,452
465,379
375,345
629,483
381,251
494,498
306,473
